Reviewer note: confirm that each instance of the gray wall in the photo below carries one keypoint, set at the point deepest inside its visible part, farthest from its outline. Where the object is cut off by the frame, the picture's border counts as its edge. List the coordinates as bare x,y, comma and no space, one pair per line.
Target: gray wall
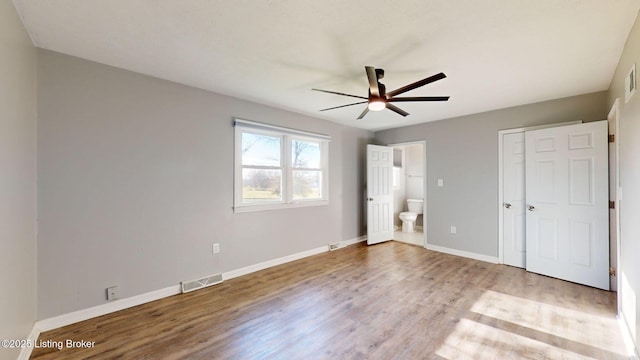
464,152
135,184
629,141
17,179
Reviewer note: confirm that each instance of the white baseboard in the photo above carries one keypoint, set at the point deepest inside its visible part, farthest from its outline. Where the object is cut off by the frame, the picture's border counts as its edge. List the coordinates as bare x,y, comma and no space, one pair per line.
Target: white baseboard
279,261
353,241
470,255
632,350
117,305
103,309
92,312
267,264
25,352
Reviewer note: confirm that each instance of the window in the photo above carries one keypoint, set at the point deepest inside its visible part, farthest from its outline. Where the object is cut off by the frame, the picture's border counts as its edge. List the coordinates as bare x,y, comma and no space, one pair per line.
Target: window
278,168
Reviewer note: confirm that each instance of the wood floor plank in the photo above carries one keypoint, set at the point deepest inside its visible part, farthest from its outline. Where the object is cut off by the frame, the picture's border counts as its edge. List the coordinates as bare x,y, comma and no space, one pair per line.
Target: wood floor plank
388,301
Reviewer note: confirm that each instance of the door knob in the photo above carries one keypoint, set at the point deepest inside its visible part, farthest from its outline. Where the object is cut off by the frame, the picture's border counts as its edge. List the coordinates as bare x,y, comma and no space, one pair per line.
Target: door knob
507,205
531,207
370,199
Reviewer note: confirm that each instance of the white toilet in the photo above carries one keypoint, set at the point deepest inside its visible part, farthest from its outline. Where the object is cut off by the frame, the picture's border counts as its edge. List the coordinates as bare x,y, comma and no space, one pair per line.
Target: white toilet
409,217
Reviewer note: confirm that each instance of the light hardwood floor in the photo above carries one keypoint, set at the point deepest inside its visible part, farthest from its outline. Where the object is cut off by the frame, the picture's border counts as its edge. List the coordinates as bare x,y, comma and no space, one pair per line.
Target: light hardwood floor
387,301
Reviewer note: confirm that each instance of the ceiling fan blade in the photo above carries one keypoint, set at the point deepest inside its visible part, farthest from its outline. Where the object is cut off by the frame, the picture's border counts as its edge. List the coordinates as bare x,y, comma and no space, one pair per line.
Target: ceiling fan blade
343,94
373,81
416,85
419,98
341,106
396,109
366,110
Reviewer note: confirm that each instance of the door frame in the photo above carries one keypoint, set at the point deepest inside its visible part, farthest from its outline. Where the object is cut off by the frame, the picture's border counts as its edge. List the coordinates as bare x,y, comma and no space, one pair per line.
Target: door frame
501,133
614,113
424,183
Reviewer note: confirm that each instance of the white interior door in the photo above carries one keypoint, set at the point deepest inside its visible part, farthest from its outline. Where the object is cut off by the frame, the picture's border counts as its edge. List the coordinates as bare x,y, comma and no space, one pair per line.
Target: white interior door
379,194
513,213
567,217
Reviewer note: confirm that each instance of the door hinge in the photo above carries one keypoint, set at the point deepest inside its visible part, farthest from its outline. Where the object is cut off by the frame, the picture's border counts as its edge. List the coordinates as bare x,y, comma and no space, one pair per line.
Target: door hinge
612,204
612,137
612,271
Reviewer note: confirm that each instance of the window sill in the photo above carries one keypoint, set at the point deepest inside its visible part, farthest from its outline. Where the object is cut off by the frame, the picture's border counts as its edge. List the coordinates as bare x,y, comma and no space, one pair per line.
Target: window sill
281,206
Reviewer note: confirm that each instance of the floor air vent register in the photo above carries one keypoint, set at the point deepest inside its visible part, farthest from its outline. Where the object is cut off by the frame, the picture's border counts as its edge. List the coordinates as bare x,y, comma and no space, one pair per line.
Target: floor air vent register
196,284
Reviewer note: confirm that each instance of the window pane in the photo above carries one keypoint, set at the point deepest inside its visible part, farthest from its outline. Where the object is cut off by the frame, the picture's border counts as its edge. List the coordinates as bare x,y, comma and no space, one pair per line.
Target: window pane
260,150
305,154
261,185
307,185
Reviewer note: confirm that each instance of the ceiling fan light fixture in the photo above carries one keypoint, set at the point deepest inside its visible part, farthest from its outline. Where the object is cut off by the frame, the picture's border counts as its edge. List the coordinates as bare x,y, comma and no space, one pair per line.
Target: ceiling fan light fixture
376,105
380,99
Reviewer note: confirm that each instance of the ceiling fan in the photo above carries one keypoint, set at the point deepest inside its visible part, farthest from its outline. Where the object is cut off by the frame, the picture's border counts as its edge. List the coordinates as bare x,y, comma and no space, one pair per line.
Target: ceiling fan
379,98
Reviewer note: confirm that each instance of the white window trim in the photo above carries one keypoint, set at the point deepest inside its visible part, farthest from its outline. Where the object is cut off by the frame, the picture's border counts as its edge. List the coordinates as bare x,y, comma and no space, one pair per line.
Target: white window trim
286,135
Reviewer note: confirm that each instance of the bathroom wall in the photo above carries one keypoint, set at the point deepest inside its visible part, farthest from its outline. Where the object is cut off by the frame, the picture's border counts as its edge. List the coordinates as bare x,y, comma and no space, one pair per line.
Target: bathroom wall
414,159
399,188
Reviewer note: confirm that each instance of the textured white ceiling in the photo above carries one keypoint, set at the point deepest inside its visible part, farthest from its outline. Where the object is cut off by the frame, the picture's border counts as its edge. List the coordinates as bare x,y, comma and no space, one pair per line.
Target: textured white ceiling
497,53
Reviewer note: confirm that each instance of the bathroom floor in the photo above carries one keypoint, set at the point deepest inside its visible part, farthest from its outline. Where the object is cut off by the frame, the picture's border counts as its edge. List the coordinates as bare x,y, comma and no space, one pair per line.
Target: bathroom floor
414,238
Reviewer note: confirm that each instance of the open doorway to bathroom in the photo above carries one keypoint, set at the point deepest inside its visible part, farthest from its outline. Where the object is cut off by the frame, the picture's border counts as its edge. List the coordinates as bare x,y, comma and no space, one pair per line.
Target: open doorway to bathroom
409,192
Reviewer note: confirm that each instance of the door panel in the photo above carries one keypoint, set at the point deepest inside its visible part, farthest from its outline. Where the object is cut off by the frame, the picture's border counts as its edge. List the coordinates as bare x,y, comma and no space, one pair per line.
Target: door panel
567,225
546,181
548,244
581,240
379,194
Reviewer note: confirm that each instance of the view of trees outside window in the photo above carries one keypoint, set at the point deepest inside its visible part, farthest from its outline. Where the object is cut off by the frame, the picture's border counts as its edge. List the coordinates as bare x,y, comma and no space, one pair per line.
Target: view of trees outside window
261,168
279,168
307,173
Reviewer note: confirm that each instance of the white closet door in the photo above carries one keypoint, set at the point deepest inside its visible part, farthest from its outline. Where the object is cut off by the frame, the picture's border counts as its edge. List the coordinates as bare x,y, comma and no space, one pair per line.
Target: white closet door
514,248
567,217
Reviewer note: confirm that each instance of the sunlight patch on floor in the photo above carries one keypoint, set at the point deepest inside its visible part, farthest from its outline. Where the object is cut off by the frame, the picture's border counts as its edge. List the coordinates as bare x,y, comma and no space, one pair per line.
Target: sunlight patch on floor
582,327
503,326
473,340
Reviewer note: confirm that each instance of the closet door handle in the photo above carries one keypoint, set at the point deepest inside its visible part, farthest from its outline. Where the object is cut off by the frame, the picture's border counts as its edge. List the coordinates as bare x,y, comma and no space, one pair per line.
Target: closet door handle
507,205
531,207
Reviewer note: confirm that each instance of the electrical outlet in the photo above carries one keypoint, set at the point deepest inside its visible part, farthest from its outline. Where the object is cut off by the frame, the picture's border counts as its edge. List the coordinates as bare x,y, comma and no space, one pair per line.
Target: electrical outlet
216,248
453,229
113,293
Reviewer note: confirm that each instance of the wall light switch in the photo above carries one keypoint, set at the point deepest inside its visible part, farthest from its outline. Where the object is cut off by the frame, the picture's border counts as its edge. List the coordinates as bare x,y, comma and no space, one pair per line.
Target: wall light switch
453,229
216,248
440,182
